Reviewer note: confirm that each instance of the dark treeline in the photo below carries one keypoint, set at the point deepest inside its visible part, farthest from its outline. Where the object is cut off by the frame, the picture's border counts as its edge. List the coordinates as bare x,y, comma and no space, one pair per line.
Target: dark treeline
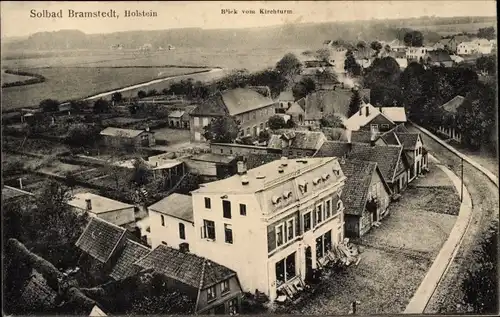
35,79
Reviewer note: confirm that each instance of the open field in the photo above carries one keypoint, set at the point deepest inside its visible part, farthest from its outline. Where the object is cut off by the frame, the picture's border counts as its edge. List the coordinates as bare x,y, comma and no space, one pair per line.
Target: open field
65,83
448,29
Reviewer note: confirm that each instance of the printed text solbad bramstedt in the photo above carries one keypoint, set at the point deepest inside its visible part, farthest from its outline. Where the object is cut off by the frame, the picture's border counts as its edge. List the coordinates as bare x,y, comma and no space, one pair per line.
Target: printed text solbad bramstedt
92,14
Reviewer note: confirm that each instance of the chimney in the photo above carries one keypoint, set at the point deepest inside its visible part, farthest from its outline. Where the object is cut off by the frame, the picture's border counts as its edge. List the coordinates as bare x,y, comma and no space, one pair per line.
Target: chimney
348,136
284,161
280,169
242,168
373,137
20,183
147,129
89,204
244,180
367,111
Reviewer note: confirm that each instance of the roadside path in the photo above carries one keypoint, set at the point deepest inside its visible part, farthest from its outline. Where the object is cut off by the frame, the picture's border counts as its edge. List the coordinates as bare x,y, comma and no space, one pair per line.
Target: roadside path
448,251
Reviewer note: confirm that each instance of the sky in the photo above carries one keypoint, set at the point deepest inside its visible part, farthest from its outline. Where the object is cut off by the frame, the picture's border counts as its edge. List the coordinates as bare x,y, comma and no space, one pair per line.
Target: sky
16,20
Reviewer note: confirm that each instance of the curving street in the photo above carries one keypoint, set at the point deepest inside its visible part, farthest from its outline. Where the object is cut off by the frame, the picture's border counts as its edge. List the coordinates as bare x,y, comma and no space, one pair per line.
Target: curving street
484,194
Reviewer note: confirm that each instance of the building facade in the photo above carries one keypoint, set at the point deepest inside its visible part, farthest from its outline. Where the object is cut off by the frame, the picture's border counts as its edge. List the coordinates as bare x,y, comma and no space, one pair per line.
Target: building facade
272,224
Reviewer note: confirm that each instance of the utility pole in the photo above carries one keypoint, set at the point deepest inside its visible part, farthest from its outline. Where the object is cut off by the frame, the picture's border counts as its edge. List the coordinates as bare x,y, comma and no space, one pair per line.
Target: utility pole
462,177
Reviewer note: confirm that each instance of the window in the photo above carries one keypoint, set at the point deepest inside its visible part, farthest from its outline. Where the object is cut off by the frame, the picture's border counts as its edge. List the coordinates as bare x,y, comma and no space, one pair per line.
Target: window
307,222
285,269
328,207
327,241
208,204
222,151
385,126
228,234
374,127
299,154
319,247
182,231
226,209
163,220
211,293
196,121
205,122
224,287
262,127
243,209
233,307
319,214
248,131
208,229
279,235
290,229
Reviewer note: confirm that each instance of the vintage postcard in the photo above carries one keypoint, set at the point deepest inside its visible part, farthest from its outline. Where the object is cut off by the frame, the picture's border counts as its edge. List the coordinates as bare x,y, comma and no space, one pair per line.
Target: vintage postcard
249,157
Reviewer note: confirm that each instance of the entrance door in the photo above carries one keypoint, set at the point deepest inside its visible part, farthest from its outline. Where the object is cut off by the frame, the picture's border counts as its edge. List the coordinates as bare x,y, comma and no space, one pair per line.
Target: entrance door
309,268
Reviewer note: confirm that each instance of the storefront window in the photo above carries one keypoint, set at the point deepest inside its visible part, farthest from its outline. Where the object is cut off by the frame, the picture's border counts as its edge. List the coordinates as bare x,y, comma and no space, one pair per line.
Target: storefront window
319,247
327,241
280,272
290,266
285,269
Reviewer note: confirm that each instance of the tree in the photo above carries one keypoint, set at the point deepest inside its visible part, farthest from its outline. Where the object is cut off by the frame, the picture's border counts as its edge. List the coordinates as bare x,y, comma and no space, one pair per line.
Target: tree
355,103
290,124
270,78
325,75
323,55
152,92
414,38
383,71
276,122
481,285
486,64
101,106
263,136
49,105
82,135
289,67
141,94
331,120
303,88
387,48
376,46
116,97
350,65
78,106
361,45
486,33
223,129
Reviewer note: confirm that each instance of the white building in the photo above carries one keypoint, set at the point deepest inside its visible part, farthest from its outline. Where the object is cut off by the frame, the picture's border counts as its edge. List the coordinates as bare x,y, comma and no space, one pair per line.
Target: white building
274,224
484,46
415,53
467,48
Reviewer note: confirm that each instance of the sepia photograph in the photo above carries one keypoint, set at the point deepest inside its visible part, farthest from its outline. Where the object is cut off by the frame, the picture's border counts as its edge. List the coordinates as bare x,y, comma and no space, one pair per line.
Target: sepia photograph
249,158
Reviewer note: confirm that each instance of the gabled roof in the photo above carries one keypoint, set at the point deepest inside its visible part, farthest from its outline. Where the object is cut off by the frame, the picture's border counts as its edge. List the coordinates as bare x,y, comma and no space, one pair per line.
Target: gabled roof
187,111
100,204
452,105
408,140
295,108
391,138
360,118
307,140
386,156
100,239
96,311
213,158
175,205
232,102
176,114
187,268
330,101
395,114
355,192
124,267
361,136
302,103
12,192
439,56
123,133
254,160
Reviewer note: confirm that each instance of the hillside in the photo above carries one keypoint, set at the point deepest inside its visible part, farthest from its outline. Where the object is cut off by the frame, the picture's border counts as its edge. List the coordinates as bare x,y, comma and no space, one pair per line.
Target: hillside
276,36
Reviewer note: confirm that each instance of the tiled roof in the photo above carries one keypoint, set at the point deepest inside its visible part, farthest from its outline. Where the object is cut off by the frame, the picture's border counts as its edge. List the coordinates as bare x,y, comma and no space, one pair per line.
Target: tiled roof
187,111
186,267
131,253
123,133
439,56
390,138
176,205
452,105
361,136
100,239
386,156
37,293
213,106
254,160
332,101
310,140
354,194
408,140
100,204
360,118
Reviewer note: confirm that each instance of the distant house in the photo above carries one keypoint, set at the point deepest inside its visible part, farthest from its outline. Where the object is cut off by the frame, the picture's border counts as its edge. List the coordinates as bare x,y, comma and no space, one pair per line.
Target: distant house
450,111
296,143
211,166
185,117
318,71
439,58
297,111
235,149
286,99
110,210
376,119
483,46
172,222
451,44
247,106
418,53
402,62
391,159
116,137
468,48
322,102
175,119
366,196
215,288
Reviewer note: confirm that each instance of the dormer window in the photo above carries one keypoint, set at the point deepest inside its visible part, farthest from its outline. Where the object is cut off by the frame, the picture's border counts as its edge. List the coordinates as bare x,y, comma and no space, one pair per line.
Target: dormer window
276,200
303,187
316,181
325,176
287,194
336,171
